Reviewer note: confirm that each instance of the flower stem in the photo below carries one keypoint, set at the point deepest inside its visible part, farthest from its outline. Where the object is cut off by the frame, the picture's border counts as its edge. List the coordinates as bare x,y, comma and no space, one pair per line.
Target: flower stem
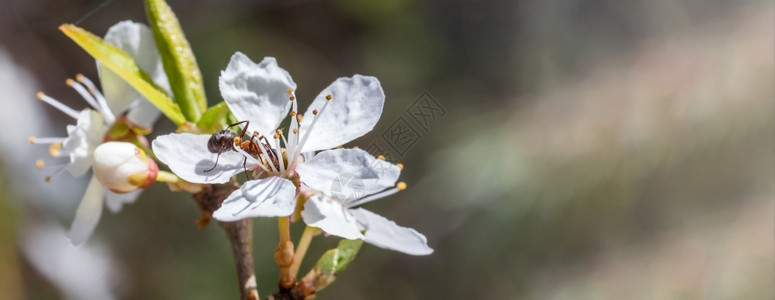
283,254
304,241
164,176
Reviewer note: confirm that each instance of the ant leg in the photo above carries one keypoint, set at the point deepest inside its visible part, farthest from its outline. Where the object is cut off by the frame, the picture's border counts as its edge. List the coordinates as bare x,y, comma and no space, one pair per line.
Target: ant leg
244,130
244,167
216,162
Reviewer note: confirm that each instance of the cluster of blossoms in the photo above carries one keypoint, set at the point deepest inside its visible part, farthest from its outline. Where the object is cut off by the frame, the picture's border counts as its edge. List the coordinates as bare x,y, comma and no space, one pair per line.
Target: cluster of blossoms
298,172
107,134
302,165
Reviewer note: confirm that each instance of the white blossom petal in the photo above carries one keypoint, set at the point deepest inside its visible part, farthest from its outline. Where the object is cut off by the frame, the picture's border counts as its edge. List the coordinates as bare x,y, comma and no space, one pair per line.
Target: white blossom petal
384,233
348,174
115,201
187,156
143,113
88,214
331,217
82,139
137,41
353,111
256,92
269,197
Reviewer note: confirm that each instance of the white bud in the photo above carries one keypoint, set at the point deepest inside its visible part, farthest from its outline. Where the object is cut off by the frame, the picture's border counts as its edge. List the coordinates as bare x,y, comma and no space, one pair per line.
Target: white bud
122,167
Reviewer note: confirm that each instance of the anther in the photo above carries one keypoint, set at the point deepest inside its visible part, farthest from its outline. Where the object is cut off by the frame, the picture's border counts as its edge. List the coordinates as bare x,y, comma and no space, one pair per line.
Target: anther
277,135
328,97
295,130
400,166
40,164
293,113
237,140
55,149
381,157
401,185
48,178
315,112
289,91
299,117
40,95
292,98
79,77
69,82
31,139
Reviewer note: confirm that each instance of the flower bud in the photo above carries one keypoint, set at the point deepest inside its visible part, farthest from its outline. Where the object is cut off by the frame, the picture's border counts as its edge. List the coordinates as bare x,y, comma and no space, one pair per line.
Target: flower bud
122,167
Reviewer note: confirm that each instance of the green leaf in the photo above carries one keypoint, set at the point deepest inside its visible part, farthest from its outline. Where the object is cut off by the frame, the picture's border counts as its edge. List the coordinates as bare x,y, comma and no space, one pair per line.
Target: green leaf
178,59
336,260
214,118
125,67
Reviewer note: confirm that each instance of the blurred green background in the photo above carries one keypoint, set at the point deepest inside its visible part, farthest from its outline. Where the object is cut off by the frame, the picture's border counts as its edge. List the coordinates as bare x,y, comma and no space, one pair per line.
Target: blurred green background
593,149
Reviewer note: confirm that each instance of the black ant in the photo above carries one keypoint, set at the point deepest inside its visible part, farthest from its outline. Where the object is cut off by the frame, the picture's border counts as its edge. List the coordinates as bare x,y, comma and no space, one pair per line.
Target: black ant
224,140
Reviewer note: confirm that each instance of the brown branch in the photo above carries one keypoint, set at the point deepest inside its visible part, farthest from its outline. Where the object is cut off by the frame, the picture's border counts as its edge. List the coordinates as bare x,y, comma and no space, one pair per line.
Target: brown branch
239,233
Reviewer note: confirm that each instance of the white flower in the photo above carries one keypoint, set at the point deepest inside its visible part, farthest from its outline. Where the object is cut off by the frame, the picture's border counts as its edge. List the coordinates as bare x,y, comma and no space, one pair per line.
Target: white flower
345,179
263,94
106,110
122,167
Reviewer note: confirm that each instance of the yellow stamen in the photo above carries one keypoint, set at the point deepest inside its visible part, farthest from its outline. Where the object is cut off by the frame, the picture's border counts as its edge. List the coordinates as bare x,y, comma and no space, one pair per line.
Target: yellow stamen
296,131
55,149
31,139
400,166
48,178
315,112
293,113
79,77
40,95
401,185
328,97
39,163
381,157
292,98
69,82
299,117
289,91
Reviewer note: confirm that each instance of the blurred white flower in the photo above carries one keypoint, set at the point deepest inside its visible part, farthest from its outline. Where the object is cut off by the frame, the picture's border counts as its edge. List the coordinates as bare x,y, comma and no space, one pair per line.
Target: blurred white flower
106,112
86,272
332,201
263,94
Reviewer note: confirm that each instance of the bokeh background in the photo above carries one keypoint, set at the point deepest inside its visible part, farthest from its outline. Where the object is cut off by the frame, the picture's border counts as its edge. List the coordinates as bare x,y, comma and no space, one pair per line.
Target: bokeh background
594,149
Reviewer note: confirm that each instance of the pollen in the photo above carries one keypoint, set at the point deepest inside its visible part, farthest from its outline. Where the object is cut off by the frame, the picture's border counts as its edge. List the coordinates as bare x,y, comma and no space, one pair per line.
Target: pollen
55,149
40,95
400,166
39,164
295,131
69,82
293,113
328,97
299,117
289,91
31,139
315,112
277,135
79,77
381,157
401,185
